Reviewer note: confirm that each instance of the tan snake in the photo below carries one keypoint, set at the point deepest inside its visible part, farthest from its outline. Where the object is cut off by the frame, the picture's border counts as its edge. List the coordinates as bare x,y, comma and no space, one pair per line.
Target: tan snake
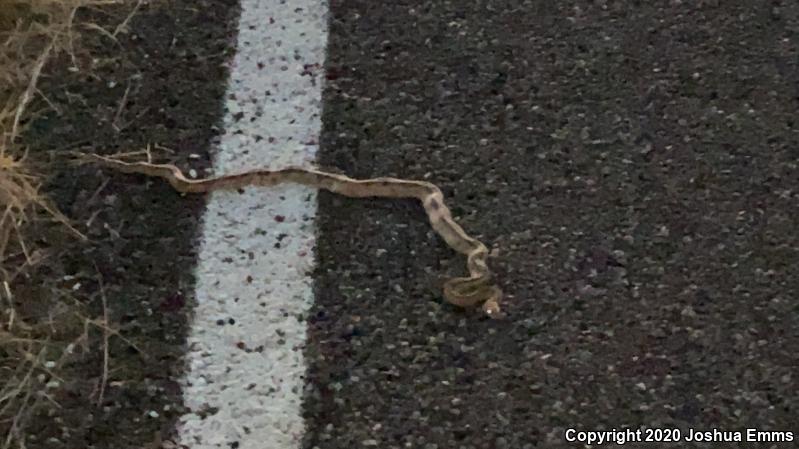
478,289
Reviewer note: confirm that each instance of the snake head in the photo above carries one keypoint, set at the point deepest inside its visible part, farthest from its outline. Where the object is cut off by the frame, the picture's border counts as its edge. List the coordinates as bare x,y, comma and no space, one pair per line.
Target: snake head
492,310
473,292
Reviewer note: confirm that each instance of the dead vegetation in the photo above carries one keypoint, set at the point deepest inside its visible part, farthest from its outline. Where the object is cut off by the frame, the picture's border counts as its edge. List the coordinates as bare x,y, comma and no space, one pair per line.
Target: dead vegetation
31,353
31,32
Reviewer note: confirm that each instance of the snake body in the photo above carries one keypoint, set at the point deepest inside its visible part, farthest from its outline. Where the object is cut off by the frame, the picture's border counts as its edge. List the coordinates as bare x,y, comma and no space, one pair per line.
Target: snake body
478,289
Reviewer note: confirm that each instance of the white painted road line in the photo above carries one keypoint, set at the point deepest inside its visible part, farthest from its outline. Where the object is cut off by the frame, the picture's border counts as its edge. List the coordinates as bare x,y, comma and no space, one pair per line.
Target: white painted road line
245,362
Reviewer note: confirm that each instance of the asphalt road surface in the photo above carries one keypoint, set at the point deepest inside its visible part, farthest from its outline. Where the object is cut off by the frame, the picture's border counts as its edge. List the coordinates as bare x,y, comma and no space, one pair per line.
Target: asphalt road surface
631,165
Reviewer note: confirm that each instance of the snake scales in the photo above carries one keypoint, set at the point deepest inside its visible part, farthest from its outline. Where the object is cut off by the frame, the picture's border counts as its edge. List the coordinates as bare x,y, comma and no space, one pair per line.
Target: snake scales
478,289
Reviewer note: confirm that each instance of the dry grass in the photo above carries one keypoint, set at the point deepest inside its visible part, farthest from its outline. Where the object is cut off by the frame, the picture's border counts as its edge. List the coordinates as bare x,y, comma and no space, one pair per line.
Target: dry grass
31,32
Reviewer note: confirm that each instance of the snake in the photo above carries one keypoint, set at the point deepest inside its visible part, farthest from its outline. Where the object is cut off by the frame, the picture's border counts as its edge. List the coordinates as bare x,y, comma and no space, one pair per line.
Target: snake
469,292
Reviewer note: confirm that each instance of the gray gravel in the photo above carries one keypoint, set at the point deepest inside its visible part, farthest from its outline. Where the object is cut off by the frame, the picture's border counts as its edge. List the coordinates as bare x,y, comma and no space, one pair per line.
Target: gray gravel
633,166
